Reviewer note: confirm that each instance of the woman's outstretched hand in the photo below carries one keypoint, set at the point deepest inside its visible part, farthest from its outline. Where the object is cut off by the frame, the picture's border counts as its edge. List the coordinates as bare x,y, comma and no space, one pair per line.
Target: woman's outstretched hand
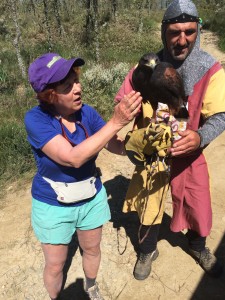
128,108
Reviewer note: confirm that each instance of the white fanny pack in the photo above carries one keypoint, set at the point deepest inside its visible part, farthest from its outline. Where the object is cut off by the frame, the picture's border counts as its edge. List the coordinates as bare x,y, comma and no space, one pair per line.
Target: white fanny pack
75,191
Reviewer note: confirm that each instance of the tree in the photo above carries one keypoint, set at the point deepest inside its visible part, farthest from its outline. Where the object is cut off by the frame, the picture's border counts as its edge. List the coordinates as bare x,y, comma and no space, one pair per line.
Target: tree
47,21
16,40
56,5
114,8
92,25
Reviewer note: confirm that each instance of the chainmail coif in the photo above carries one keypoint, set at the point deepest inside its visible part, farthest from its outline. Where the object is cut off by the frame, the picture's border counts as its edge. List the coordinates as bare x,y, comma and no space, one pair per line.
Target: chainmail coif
198,62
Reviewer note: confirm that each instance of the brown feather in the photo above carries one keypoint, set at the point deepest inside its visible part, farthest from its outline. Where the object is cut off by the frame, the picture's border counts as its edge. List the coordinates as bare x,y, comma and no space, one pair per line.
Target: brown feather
160,83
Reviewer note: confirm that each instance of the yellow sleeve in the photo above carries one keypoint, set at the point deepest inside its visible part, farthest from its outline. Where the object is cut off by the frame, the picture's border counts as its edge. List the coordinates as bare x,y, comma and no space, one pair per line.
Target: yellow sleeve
214,99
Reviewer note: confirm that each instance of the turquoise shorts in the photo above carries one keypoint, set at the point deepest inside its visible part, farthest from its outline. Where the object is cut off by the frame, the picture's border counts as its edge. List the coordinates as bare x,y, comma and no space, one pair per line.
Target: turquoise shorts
57,224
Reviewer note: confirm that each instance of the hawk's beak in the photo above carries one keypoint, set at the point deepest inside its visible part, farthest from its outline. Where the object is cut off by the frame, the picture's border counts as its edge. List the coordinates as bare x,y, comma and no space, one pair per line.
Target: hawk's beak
152,63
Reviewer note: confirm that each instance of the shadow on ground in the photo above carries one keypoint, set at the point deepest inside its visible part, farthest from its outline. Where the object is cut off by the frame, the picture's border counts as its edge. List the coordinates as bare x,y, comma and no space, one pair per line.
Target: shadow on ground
212,288
74,291
116,190
208,288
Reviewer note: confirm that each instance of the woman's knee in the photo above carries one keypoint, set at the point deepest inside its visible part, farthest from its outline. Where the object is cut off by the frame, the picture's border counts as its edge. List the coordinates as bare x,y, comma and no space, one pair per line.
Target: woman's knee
93,250
55,257
90,240
54,268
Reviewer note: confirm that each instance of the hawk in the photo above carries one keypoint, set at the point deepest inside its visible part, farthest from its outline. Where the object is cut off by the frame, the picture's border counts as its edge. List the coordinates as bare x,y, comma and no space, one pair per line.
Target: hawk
158,82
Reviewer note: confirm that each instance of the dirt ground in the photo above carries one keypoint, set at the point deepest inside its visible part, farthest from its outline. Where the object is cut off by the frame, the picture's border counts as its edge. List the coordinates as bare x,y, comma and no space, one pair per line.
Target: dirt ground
175,275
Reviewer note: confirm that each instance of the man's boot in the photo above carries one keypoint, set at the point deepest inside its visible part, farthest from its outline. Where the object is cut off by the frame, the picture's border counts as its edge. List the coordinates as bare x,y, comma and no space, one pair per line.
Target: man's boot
143,265
208,262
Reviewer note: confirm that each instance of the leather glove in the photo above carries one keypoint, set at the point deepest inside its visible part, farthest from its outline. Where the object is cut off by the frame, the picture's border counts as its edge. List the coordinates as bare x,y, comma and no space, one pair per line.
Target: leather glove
142,143
163,141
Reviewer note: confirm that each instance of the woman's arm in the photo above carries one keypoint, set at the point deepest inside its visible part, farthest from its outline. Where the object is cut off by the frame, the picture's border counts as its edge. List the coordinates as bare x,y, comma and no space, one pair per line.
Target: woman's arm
59,150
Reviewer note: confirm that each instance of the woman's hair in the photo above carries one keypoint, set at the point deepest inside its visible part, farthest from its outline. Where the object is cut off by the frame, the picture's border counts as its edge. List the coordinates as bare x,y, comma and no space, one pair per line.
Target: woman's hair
47,99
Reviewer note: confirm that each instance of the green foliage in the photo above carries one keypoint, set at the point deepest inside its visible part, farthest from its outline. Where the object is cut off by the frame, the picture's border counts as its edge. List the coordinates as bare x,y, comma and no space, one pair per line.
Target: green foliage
217,25
8,72
212,13
15,153
101,84
134,40
3,29
222,46
3,80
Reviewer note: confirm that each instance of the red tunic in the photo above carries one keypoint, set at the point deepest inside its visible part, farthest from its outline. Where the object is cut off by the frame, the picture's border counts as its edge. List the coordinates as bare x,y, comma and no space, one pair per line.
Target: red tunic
189,178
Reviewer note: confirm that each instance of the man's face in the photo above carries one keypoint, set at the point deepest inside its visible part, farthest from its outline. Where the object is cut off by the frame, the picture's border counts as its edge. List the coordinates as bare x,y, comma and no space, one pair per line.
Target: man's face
180,39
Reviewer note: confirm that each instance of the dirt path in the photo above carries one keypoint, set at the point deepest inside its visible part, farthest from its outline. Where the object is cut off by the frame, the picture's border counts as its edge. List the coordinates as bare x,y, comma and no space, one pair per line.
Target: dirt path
175,274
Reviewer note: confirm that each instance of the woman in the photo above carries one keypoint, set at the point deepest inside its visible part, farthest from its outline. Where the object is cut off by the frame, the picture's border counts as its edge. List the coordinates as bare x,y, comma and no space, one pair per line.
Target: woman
67,193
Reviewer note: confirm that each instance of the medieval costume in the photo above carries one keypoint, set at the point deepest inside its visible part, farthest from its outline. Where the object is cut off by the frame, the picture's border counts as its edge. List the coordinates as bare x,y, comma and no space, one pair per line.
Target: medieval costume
205,91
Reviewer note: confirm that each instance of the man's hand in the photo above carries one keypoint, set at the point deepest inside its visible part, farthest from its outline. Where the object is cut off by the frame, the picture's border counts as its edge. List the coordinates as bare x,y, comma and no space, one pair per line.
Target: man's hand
189,142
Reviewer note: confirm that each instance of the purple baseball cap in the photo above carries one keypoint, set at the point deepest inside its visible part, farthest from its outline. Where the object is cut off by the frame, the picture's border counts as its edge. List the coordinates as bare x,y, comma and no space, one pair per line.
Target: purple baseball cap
50,68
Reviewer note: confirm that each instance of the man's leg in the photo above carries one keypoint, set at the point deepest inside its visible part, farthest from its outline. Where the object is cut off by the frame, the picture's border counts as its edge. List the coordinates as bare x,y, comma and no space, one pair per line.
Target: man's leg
148,251
196,242
198,250
55,258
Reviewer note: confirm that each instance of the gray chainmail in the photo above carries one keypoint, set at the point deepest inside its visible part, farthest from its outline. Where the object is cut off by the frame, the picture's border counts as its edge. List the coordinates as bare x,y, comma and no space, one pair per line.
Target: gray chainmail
178,7
212,128
193,68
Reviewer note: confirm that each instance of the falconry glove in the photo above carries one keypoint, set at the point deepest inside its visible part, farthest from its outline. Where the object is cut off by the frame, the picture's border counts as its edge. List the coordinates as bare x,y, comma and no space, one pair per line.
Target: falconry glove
143,143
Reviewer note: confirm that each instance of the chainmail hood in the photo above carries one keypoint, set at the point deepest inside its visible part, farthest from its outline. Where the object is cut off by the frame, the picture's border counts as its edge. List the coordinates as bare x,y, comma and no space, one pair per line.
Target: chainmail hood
179,7
198,62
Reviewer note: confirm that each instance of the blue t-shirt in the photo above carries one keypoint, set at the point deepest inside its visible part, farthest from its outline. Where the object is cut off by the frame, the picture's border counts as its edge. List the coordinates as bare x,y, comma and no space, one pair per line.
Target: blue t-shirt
41,127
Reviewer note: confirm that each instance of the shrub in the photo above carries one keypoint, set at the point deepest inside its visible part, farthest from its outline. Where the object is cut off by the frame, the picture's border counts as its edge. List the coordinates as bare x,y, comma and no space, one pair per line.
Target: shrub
101,84
16,156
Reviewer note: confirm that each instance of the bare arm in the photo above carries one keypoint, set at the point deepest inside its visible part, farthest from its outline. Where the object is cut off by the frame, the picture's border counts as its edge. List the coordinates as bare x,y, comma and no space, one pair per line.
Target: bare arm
59,150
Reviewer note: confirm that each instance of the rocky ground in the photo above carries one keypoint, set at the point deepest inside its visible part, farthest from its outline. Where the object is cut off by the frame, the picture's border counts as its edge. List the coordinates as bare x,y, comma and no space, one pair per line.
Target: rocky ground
175,275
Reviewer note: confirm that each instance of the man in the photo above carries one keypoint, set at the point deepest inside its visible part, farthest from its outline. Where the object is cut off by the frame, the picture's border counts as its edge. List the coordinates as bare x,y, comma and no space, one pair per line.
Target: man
205,91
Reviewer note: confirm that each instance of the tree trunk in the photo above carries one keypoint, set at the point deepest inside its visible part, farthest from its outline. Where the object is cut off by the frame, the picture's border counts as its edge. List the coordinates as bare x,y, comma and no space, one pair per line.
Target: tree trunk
16,40
114,9
46,14
149,4
88,24
140,16
57,16
32,6
96,30
65,7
